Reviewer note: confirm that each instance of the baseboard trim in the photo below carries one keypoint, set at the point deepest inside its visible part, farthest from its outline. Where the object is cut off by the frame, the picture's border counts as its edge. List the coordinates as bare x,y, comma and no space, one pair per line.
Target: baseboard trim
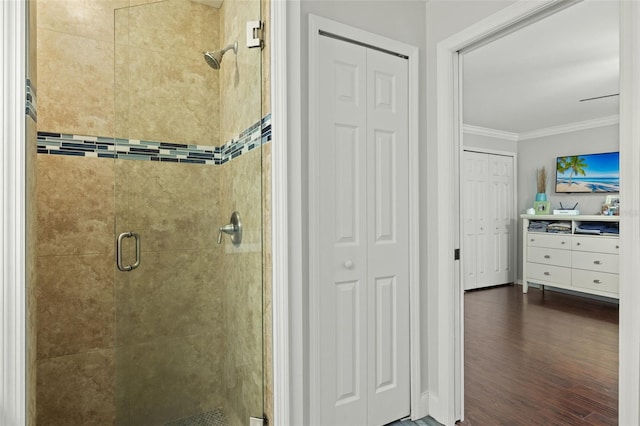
423,408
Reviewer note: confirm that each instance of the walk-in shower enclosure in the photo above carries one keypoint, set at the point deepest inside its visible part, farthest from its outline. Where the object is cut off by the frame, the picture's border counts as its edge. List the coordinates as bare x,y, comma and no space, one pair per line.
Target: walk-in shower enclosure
139,135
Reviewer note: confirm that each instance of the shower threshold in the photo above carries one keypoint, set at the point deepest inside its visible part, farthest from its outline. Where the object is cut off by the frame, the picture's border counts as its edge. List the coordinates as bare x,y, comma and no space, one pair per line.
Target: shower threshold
210,418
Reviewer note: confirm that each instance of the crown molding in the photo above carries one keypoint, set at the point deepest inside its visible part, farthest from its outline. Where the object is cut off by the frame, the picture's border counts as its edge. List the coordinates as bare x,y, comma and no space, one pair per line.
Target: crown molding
549,131
492,133
570,127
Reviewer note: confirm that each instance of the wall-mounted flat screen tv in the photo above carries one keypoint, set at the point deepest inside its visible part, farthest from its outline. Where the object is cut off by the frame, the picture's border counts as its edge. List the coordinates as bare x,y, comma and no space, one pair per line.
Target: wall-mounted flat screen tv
588,173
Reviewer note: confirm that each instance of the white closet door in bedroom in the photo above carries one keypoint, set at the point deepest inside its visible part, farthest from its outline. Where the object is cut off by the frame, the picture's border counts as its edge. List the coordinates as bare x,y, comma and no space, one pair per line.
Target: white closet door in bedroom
363,247
488,219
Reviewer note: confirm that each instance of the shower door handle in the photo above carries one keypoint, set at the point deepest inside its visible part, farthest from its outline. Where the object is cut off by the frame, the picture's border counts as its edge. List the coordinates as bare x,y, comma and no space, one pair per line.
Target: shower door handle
121,237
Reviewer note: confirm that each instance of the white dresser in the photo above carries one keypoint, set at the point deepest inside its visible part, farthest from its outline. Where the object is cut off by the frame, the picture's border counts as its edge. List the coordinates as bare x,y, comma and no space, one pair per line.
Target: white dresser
574,261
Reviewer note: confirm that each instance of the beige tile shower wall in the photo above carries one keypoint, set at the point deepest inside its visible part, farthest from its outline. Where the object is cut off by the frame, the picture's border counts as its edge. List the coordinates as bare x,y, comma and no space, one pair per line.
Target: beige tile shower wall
242,277
268,282
84,389
165,89
164,41
240,77
75,291
75,66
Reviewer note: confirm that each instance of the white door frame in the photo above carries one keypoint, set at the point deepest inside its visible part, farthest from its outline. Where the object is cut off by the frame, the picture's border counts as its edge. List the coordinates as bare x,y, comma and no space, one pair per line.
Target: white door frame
450,346
317,23
283,232
629,331
13,358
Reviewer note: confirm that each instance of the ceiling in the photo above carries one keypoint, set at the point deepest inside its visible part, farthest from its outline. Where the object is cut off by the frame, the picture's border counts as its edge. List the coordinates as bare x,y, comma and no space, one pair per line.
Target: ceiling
533,79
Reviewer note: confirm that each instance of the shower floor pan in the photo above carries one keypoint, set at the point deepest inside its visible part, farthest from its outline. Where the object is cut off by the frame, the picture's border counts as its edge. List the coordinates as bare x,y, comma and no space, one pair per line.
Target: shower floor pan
210,418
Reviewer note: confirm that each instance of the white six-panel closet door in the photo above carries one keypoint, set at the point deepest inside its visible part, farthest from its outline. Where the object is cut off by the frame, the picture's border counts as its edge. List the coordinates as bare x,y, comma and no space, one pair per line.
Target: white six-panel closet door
364,270
488,219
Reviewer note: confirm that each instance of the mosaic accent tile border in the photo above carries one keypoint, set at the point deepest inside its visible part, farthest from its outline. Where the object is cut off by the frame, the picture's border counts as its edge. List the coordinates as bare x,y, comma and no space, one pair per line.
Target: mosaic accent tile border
30,108
133,149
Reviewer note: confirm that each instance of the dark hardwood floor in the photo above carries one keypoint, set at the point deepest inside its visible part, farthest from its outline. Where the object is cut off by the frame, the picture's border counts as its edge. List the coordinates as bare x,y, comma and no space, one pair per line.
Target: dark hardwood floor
543,358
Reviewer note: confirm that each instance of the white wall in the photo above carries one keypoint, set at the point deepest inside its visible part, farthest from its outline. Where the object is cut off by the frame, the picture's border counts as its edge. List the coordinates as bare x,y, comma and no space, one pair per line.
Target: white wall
470,140
535,153
538,152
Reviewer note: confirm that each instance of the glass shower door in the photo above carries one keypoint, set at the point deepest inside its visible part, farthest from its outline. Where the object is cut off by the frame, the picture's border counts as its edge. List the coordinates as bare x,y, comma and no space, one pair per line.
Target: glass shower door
188,154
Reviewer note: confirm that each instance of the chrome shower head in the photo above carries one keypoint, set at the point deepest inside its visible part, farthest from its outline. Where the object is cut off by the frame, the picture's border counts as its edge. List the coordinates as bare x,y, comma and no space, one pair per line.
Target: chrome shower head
214,59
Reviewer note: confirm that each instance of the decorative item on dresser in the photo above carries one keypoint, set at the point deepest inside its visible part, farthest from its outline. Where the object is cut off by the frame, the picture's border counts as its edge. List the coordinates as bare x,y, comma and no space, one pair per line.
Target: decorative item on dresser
578,253
541,184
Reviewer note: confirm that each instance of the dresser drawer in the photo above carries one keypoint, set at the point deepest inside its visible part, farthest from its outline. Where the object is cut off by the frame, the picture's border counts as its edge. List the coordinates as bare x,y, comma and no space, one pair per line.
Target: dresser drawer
549,240
601,262
549,273
596,243
602,281
549,256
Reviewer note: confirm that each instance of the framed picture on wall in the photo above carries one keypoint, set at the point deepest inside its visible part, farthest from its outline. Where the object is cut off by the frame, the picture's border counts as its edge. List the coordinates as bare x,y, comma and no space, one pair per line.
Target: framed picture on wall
588,173
613,200
542,207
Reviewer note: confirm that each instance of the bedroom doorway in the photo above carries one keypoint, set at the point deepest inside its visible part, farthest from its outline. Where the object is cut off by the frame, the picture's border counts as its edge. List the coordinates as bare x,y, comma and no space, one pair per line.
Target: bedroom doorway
503,138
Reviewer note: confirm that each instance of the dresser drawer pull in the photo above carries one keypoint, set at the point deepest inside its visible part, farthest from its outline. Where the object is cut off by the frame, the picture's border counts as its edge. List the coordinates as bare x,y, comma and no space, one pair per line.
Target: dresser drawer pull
597,262
597,282
547,273
561,242
617,246
546,256
577,244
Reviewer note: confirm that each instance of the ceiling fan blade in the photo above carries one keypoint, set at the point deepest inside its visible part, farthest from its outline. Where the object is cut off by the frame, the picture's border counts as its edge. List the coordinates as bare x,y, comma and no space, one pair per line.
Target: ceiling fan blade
599,97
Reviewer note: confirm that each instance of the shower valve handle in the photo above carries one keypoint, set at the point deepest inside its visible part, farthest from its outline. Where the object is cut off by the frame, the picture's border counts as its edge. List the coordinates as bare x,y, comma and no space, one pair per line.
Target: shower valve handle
234,229
227,229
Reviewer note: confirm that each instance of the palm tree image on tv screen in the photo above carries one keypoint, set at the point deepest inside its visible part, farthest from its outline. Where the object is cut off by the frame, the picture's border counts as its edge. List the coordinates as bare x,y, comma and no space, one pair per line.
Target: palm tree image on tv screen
588,173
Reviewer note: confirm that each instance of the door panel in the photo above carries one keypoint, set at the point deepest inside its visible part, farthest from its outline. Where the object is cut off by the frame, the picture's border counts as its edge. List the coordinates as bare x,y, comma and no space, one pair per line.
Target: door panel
501,213
388,198
386,333
482,225
385,214
347,335
342,124
474,225
347,157
469,244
